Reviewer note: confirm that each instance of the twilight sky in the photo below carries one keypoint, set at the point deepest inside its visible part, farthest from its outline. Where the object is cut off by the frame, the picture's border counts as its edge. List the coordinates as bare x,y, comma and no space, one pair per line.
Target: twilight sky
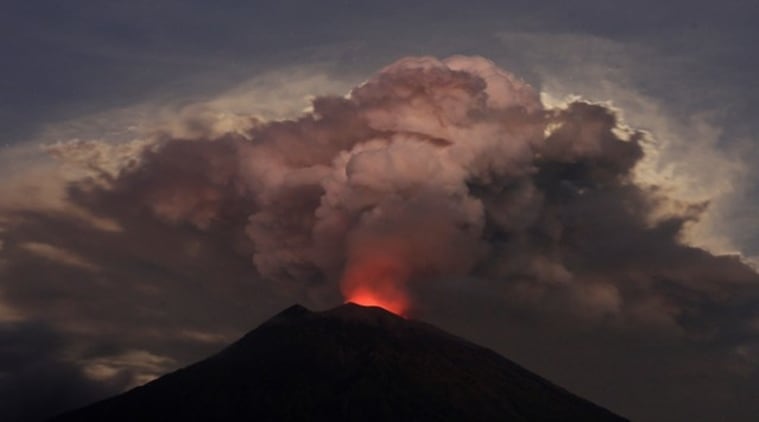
571,185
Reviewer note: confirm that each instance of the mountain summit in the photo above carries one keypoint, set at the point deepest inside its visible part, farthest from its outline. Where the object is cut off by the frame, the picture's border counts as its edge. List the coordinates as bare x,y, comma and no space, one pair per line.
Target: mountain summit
348,363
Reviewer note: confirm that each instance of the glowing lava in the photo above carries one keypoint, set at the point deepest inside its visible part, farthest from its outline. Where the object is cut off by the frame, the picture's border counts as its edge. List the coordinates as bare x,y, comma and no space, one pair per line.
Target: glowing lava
397,305
378,281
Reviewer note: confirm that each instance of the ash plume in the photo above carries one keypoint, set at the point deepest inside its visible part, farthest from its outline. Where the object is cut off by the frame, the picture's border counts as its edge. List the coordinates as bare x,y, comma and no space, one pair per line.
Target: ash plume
433,168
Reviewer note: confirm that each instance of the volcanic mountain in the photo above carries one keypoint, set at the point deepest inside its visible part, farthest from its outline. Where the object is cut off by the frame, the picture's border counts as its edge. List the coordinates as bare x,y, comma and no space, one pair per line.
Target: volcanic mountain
349,363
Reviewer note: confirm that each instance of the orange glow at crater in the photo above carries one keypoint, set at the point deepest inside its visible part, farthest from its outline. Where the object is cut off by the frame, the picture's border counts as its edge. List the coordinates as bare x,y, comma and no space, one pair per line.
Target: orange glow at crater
396,305
377,281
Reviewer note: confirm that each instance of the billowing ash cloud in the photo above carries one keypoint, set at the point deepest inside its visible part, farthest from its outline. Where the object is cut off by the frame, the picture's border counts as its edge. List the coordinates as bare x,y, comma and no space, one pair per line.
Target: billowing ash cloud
434,169
441,189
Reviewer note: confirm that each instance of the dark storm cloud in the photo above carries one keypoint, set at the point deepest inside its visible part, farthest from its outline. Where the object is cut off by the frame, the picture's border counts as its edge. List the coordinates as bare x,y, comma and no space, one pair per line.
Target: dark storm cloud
35,381
126,301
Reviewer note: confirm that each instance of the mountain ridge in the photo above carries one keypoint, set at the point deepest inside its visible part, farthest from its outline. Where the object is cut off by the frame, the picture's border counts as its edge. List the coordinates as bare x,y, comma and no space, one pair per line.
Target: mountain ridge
347,363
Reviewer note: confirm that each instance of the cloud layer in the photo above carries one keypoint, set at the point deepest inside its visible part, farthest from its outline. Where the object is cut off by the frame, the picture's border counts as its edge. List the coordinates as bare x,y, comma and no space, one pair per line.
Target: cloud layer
431,168
427,185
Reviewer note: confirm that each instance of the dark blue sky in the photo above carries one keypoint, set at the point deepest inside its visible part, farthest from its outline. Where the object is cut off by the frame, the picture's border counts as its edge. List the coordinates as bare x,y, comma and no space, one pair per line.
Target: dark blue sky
65,59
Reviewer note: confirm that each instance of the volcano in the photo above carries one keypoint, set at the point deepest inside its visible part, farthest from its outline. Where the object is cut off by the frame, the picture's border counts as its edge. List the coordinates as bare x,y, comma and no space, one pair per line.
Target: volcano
348,363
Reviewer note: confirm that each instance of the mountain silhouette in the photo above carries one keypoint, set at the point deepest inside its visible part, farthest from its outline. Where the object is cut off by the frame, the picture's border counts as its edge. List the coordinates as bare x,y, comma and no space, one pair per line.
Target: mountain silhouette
348,363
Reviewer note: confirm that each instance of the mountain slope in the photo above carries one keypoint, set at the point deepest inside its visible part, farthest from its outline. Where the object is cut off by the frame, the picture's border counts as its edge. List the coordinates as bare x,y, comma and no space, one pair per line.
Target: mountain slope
348,363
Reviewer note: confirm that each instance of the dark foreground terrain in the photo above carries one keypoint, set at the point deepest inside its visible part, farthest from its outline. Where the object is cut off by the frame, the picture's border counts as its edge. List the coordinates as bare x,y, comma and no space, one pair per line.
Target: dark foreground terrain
348,363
